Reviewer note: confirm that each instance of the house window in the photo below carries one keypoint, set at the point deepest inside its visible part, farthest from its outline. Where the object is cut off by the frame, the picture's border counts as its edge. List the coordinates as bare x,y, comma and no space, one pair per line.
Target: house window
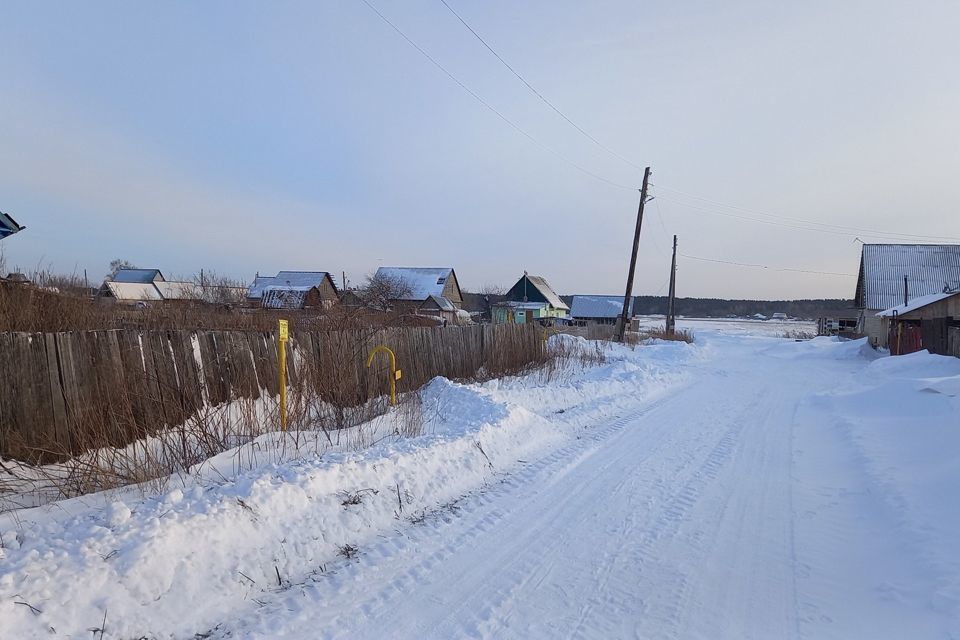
441,279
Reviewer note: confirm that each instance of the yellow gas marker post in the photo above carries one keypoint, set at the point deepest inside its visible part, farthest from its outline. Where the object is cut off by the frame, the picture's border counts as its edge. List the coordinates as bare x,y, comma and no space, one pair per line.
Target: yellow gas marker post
395,374
282,359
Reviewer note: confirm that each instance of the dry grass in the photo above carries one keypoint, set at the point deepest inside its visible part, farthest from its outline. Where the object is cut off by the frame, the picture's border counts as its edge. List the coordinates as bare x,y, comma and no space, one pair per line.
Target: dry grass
798,334
680,335
113,443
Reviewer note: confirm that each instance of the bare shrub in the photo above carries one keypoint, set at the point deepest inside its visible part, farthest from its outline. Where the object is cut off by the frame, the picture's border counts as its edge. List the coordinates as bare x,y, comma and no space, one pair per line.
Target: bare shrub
678,335
798,334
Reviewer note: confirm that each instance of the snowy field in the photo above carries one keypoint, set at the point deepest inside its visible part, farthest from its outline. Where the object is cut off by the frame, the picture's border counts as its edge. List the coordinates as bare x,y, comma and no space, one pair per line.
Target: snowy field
736,326
745,486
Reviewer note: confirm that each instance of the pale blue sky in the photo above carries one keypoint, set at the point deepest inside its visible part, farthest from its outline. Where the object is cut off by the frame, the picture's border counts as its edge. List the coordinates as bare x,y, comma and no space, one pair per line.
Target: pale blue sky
244,137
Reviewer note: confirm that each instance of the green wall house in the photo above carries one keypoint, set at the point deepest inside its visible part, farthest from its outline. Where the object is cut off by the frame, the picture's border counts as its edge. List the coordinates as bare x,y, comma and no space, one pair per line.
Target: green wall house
531,299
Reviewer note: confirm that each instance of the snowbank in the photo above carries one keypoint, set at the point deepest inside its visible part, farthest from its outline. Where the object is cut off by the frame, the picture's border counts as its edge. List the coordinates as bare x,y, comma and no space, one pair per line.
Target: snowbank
176,564
897,422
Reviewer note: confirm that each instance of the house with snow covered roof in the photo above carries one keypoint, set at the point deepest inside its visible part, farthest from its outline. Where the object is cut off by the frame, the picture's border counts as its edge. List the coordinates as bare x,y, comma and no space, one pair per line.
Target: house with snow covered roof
598,309
893,274
294,290
531,299
431,291
930,322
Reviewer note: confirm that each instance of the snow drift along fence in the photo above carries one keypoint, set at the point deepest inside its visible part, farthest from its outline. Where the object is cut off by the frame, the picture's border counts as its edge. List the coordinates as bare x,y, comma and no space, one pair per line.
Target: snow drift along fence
64,393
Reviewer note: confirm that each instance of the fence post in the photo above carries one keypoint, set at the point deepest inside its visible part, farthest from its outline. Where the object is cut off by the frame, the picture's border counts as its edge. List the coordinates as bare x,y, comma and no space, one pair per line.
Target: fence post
282,361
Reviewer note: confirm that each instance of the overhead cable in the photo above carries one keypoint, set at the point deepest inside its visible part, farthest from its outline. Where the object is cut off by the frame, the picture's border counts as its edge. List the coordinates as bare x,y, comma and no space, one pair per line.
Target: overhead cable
490,107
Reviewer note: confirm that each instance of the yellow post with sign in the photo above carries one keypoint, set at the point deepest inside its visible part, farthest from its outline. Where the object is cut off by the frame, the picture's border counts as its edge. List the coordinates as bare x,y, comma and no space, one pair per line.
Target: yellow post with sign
282,359
395,374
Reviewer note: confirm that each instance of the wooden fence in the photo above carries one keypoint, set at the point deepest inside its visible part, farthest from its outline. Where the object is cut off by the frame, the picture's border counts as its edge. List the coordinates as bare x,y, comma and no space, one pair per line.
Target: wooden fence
63,393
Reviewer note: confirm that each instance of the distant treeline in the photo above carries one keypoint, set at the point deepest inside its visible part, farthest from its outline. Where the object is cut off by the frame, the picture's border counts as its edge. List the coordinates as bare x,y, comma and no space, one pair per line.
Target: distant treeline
717,308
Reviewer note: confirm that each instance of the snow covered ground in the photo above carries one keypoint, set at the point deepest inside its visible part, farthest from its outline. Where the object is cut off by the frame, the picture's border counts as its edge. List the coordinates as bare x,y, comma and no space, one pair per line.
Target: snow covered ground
736,326
741,487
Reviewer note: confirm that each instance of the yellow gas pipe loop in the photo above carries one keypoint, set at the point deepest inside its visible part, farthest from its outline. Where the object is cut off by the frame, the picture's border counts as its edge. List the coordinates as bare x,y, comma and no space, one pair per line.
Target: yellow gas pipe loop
395,374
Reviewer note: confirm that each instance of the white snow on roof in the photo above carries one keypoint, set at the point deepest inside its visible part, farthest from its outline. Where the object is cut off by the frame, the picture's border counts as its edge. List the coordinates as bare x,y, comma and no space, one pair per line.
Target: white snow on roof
443,303
599,306
928,267
512,304
547,292
291,280
133,290
277,297
916,303
422,282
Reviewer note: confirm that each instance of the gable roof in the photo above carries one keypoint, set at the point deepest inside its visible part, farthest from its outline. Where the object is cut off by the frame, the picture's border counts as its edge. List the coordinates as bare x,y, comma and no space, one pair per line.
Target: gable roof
441,303
917,303
132,290
280,297
290,280
422,282
141,276
8,226
599,306
545,290
480,302
930,268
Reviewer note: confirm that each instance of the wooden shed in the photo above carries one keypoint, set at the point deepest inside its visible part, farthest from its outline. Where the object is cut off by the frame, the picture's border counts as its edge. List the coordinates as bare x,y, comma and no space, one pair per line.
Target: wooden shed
930,322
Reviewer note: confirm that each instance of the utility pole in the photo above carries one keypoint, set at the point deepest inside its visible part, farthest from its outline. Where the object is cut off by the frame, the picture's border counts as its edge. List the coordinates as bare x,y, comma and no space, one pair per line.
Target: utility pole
622,329
671,302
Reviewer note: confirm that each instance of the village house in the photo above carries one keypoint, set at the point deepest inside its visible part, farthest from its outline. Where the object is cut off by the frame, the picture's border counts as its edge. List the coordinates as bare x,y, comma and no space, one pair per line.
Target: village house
132,286
294,290
426,291
598,310
142,286
480,305
930,322
894,274
530,300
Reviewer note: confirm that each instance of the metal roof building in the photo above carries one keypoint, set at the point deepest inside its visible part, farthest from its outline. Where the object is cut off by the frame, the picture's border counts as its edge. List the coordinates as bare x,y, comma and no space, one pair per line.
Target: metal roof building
419,282
141,276
917,303
292,280
131,291
607,307
929,269
8,226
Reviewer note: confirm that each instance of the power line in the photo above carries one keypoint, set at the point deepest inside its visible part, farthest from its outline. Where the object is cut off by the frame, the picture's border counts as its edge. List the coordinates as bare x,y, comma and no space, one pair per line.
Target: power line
840,229
486,104
536,92
763,266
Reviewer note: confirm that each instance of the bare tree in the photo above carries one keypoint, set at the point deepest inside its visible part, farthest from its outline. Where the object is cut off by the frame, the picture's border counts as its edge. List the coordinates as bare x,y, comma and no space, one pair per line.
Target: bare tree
117,264
380,291
220,289
492,290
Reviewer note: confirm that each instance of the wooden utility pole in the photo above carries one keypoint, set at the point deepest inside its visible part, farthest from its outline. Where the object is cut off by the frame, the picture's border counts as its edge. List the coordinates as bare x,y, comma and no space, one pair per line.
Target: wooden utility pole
671,302
624,317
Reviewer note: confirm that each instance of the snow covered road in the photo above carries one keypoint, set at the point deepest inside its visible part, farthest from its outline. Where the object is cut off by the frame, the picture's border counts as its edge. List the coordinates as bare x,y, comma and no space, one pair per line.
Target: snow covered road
745,487
699,516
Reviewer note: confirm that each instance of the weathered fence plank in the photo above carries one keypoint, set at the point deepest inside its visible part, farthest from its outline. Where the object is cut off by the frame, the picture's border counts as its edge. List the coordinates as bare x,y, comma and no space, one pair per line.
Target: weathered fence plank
67,392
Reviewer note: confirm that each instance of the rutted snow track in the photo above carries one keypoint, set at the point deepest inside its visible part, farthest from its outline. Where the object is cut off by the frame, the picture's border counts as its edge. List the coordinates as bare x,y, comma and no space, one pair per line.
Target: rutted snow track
675,521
